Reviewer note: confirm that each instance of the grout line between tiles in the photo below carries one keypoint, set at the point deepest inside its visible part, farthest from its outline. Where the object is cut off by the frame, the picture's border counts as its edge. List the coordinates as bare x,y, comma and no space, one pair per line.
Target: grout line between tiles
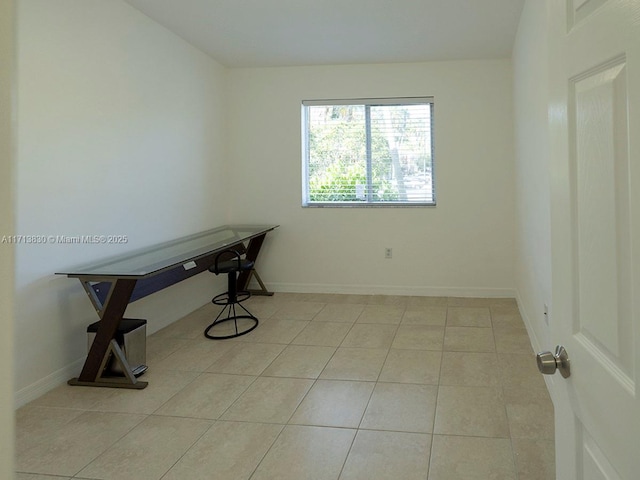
504,402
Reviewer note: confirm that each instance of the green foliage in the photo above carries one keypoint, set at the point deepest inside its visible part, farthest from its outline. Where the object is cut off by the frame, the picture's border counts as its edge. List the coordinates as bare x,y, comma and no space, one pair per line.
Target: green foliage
338,183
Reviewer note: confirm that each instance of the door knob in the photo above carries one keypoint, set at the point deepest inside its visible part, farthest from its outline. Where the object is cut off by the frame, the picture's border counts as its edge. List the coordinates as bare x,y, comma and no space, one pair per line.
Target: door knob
549,362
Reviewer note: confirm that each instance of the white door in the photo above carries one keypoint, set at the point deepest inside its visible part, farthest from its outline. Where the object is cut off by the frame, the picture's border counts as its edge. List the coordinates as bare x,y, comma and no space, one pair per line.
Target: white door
594,118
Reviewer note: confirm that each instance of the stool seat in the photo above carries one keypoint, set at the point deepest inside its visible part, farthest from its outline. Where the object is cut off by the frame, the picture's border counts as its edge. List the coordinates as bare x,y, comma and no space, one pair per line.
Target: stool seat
232,297
231,266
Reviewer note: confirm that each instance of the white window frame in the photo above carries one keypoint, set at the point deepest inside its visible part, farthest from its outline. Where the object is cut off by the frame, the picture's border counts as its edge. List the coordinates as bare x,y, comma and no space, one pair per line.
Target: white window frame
367,102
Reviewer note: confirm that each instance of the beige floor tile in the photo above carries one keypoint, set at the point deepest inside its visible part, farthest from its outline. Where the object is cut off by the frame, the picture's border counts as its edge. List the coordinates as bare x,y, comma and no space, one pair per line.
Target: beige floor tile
397,300
468,302
339,312
227,451
298,310
192,325
348,298
469,339
195,356
388,455
355,364
328,334
419,337
204,311
411,366
269,400
470,369
262,308
535,459
301,361
519,370
512,340
208,396
473,411
66,396
507,320
469,458
385,314
276,298
35,476
370,336
146,457
275,331
530,412
401,407
468,317
334,403
162,386
33,424
309,453
503,305
286,297
68,450
302,297
159,348
427,302
436,316
336,298
246,358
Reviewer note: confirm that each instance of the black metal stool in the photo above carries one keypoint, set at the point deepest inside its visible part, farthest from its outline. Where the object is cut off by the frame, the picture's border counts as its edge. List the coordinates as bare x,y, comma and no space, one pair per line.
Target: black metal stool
232,296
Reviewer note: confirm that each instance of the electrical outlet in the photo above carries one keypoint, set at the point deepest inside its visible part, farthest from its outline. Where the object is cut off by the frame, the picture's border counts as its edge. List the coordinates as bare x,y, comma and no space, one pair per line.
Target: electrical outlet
388,252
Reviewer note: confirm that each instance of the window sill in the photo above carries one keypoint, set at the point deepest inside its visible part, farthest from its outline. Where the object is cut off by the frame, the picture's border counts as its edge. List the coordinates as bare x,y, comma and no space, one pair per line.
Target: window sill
366,205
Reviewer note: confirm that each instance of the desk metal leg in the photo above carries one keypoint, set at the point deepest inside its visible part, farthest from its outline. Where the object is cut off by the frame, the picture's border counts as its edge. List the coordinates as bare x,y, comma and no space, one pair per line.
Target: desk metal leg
103,344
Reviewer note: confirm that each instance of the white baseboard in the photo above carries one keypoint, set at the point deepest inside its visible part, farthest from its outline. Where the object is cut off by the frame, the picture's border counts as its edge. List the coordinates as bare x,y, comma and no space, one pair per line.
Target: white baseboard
526,318
535,342
51,381
394,290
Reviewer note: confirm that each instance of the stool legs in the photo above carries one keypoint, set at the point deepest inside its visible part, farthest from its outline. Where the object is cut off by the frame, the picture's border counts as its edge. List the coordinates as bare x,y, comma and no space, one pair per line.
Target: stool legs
229,300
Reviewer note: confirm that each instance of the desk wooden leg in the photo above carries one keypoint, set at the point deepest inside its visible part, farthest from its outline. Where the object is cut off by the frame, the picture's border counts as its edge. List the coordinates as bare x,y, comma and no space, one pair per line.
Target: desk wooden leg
102,346
263,288
253,249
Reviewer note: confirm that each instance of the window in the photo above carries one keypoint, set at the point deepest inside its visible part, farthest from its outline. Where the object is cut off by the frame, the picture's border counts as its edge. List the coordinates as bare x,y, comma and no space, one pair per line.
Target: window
372,152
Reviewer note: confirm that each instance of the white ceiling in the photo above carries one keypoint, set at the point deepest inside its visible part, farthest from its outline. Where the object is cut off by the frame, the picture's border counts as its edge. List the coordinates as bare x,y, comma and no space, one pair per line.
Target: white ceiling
259,33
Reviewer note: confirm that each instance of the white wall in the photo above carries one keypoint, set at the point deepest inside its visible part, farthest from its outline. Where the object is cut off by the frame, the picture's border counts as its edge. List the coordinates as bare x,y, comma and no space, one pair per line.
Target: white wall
464,246
121,131
7,143
533,249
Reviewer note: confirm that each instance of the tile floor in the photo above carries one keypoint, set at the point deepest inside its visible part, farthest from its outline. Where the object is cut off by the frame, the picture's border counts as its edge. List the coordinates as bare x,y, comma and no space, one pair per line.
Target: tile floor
327,387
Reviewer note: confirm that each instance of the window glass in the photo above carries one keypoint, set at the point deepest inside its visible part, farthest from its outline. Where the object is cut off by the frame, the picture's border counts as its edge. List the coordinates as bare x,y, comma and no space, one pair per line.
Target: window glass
368,152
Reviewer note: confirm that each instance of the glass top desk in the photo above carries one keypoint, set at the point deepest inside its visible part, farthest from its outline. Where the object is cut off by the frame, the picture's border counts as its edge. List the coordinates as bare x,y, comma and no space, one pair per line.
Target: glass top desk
114,283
